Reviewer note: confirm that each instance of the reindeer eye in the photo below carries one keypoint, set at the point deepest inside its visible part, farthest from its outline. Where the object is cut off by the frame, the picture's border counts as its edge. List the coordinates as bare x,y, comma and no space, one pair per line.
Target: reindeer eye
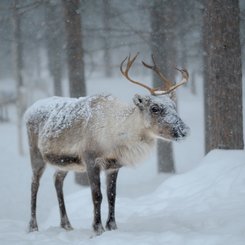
155,109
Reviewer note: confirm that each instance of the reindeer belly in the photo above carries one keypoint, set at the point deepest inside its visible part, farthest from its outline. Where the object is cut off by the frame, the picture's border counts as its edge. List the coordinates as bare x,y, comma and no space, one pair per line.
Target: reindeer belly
63,153
65,162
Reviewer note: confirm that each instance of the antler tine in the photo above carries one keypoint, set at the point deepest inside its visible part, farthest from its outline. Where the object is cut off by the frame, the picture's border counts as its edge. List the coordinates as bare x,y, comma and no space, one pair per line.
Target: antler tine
184,72
156,69
185,77
129,63
121,65
125,72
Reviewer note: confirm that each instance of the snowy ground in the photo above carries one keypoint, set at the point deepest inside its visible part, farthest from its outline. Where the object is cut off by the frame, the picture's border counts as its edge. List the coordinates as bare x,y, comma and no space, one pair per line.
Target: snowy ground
202,204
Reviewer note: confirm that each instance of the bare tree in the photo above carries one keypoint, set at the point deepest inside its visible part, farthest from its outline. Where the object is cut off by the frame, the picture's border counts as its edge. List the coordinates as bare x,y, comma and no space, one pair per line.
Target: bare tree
74,47
164,49
75,54
223,75
54,44
106,37
18,65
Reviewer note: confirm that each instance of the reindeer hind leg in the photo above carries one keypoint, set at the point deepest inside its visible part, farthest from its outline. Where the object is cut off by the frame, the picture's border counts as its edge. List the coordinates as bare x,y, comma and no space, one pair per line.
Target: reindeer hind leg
59,177
38,167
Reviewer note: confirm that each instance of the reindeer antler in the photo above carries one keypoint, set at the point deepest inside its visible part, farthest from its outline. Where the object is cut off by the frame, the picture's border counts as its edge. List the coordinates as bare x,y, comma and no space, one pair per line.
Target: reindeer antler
125,72
169,84
154,67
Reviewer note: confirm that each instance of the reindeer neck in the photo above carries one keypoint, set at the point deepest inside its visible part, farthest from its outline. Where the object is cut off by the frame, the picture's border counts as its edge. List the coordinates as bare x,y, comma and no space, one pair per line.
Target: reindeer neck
133,122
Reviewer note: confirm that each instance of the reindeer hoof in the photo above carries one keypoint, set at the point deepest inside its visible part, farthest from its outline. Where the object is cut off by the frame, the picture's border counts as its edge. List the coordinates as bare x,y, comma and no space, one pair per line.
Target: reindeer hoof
67,226
111,225
98,229
33,226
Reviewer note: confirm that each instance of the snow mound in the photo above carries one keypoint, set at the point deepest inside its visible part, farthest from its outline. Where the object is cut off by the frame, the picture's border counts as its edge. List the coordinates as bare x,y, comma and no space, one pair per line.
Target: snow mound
203,206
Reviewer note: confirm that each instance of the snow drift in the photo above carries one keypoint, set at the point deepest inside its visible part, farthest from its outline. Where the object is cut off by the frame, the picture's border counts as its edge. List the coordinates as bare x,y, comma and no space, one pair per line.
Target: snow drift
203,206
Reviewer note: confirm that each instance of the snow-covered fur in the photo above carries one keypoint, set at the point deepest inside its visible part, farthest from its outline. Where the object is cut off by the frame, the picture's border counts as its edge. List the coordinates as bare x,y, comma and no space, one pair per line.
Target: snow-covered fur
96,132
100,123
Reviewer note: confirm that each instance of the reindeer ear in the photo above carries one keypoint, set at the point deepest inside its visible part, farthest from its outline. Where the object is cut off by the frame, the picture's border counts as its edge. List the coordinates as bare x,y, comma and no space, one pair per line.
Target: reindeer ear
139,101
172,96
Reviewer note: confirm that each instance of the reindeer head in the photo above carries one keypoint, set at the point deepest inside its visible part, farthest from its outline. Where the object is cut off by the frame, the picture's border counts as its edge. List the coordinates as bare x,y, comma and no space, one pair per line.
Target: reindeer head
158,109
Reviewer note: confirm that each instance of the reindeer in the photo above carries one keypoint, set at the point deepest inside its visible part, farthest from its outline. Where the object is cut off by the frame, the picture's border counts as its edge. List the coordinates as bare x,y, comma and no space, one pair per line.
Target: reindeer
98,133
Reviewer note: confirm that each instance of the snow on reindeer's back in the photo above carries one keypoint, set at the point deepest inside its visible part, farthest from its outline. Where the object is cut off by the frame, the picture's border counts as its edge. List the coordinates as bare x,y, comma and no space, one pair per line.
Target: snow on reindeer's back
53,115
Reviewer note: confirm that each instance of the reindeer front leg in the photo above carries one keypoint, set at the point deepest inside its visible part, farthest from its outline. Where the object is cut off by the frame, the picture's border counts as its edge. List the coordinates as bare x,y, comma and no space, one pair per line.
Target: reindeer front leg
93,172
111,178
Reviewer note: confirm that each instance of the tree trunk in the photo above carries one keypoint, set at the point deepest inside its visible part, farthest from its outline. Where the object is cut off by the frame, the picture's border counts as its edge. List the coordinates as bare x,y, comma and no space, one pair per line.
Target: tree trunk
18,64
193,82
75,61
106,39
223,75
164,50
74,48
54,44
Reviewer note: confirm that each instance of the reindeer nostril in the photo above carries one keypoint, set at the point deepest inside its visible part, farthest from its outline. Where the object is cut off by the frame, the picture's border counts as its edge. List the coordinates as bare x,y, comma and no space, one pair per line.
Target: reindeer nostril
183,133
176,133
180,132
